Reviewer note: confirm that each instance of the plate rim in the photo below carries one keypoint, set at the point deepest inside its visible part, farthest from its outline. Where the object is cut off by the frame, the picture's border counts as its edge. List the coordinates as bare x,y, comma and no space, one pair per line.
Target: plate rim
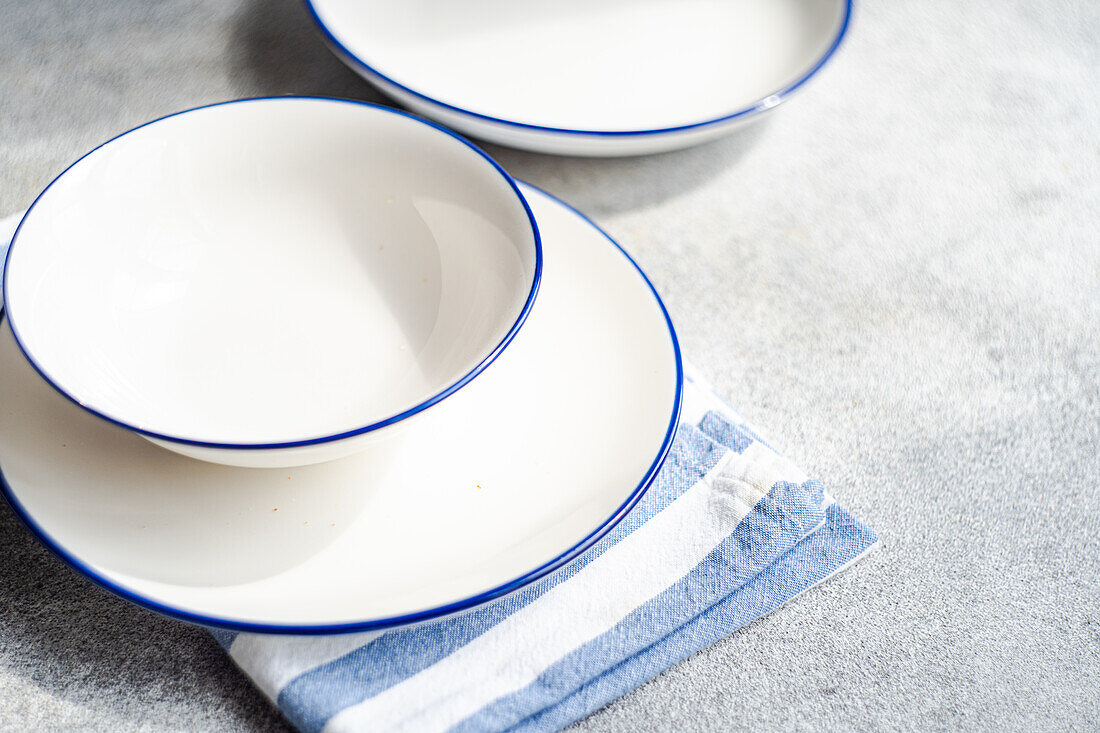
423,404
762,104
415,617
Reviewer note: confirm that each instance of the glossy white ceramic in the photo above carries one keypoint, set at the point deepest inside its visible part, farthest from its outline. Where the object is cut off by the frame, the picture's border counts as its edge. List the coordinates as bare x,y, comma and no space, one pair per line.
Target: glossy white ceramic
512,477
587,77
271,282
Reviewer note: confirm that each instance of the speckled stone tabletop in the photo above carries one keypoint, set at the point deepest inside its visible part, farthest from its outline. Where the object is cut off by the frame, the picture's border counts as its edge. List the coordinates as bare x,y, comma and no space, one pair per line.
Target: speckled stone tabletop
897,277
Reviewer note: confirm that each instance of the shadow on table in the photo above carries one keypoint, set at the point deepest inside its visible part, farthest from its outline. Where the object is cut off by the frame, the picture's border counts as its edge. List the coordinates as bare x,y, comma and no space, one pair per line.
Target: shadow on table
612,185
80,644
280,51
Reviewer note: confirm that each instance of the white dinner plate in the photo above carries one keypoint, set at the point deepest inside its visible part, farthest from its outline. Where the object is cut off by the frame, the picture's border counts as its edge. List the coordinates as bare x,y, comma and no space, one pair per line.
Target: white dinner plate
512,478
587,77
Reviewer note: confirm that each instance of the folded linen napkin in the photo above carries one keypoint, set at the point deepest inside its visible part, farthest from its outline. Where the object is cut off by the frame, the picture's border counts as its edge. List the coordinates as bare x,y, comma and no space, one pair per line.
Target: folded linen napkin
729,531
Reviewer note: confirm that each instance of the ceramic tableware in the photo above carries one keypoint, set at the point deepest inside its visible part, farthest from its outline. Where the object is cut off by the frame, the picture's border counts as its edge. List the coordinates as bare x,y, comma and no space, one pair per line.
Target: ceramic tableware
272,282
610,77
512,477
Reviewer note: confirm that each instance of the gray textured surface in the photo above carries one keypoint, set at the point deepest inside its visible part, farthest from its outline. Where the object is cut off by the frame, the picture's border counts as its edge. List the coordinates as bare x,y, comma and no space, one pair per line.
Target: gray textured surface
897,277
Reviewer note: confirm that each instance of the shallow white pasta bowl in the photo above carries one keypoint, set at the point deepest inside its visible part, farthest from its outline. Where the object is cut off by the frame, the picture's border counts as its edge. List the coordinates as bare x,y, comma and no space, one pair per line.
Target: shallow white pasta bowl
272,282
587,77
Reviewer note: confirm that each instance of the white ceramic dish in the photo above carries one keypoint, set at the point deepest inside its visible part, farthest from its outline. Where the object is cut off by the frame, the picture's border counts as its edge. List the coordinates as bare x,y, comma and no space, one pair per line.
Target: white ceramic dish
271,282
584,77
511,478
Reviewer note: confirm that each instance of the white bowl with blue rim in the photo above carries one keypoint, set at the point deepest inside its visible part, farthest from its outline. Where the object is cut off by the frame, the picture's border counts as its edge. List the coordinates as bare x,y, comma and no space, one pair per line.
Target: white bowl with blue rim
272,282
577,77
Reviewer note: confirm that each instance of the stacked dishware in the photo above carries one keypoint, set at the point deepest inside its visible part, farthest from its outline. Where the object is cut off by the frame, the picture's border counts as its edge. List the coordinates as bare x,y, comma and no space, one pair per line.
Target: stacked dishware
308,365
404,371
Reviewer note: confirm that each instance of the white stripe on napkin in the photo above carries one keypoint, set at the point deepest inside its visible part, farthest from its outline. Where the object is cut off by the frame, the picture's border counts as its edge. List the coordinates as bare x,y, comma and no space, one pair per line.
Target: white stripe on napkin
510,657
273,661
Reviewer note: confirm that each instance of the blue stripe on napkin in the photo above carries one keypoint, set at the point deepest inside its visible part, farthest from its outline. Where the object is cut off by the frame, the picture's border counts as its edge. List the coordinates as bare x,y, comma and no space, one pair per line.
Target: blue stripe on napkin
779,521
840,542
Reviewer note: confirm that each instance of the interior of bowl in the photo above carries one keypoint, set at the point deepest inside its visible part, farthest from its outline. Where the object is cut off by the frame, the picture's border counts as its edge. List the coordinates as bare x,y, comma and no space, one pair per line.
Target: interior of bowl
576,65
271,271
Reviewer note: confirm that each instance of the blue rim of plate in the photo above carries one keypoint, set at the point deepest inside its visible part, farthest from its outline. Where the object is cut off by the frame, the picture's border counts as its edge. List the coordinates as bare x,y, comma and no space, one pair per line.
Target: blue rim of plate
377,425
429,614
761,105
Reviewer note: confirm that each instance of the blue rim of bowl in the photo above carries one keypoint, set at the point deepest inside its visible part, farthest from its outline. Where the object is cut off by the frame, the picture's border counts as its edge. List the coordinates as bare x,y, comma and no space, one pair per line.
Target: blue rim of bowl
428,614
761,105
377,425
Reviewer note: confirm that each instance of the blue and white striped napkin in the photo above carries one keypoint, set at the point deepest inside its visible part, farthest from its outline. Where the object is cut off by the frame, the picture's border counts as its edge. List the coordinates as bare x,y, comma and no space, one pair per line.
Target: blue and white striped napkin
729,531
